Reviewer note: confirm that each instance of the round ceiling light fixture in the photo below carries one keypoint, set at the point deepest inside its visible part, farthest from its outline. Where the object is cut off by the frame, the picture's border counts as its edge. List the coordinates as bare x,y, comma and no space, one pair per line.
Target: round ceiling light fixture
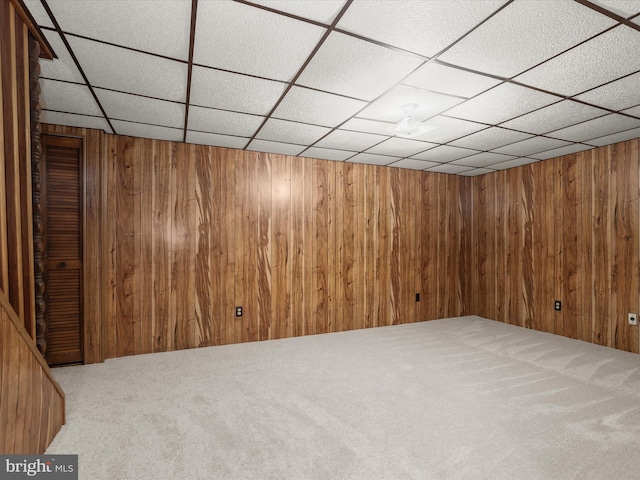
410,126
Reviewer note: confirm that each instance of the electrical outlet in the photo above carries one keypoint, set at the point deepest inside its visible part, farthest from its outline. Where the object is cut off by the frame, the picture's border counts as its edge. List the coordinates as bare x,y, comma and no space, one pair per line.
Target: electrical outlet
633,319
238,311
557,305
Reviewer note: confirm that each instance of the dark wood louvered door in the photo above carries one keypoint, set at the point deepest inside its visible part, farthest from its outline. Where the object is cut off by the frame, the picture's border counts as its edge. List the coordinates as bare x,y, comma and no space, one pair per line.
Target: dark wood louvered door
62,216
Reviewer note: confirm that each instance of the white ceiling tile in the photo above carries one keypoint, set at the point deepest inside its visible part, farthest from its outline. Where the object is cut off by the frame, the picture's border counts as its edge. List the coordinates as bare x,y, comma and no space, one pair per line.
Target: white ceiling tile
445,153
324,11
373,159
275,147
63,67
230,91
602,59
418,26
400,147
369,126
147,131
68,97
518,162
223,122
72,120
389,107
328,153
598,127
128,71
531,145
349,66
490,138
518,37
448,168
38,13
558,152
163,29
616,137
476,171
501,103
413,164
553,117
635,111
237,37
291,132
452,81
447,129
353,141
202,138
624,8
618,95
483,159
124,106
318,108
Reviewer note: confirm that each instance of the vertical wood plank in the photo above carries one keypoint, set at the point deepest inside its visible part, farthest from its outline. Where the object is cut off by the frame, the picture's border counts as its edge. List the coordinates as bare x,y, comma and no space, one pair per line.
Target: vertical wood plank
514,241
395,224
12,161
262,237
109,253
558,220
484,280
624,275
245,240
428,238
144,335
502,292
465,248
570,199
183,243
282,248
586,293
204,208
24,147
360,186
406,244
324,245
127,259
451,250
385,248
543,245
93,246
297,275
528,271
4,254
162,331
602,228
309,181
222,242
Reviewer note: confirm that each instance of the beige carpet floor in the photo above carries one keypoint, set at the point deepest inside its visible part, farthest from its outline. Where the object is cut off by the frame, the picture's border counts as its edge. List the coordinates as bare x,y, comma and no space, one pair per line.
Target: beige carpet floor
462,398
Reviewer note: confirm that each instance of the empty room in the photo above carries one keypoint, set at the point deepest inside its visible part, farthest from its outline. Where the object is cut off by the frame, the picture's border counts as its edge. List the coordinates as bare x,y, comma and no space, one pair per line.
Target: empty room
319,239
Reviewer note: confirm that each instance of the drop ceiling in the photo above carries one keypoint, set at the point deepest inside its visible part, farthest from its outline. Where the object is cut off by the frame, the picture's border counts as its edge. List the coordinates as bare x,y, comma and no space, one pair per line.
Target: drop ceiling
501,83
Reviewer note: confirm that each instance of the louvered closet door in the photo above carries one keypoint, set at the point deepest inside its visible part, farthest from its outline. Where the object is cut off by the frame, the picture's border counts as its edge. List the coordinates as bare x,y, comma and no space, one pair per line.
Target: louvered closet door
63,248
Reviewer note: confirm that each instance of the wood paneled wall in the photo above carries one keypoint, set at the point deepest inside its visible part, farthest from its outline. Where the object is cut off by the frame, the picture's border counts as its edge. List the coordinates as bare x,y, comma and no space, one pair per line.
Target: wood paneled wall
31,402
304,246
564,229
309,246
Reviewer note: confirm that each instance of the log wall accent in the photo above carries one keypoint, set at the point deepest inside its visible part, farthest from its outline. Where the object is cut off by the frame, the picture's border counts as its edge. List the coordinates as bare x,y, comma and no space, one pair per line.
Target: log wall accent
304,246
564,229
31,402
